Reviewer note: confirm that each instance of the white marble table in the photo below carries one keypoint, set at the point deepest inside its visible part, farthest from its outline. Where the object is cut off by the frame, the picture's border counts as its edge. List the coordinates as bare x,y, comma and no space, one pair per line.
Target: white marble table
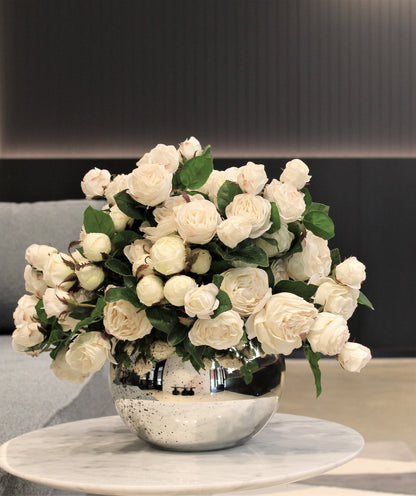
101,456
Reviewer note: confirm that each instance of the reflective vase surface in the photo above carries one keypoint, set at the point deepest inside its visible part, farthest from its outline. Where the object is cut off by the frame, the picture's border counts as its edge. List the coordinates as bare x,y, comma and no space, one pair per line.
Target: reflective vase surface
176,408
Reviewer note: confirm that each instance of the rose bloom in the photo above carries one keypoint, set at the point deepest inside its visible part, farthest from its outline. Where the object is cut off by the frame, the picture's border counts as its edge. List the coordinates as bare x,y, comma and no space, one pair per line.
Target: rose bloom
328,333
27,334
88,352
216,180
351,272
38,255
118,184
161,230
55,301
255,209
25,310
201,301
314,260
119,218
149,290
125,322
34,282
197,221
90,276
168,255
278,268
353,357
276,243
137,249
201,261
176,288
288,199
94,183
64,372
143,266
161,350
58,273
296,173
282,324
233,230
225,331
67,323
190,148
96,246
248,289
336,298
150,184
165,155
252,178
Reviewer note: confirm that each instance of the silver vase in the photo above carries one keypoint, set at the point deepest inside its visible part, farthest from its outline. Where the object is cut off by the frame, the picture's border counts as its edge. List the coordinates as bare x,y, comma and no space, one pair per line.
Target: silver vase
176,408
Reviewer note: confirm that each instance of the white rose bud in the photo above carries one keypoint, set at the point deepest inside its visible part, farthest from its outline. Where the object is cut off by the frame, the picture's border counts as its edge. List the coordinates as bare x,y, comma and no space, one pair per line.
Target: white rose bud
58,273
88,352
34,282
201,261
276,243
27,335
94,183
353,357
278,268
351,272
201,301
248,289
150,184
336,298
64,372
328,334
137,249
165,155
295,173
119,183
149,290
282,324
190,148
168,255
90,276
233,230
119,218
96,246
38,255
160,350
143,266
289,201
55,301
255,209
25,310
176,288
125,322
225,331
252,178
197,221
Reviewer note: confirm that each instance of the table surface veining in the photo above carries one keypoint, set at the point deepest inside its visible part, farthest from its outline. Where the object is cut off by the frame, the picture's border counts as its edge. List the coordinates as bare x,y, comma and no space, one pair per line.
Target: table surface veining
102,456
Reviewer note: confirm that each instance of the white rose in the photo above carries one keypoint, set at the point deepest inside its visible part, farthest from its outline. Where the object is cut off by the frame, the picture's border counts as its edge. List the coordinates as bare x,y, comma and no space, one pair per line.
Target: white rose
165,155
34,282
252,178
125,322
55,301
231,174
150,184
313,260
278,268
88,352
351,272
27,335
143,266
229,362
67,323
149,290
248,289
289,201
282,324
58,273
328,333
255,209
190,148
94,183
96,246
233,230
90,276
24,350
214,182
64,372
161,350
197,221
176,288
336,298
225,331
201,261
38,255
136,250
142,366
353,357
161,230
118,184
276,243
120,219
201,301
168,255
295,173
25,310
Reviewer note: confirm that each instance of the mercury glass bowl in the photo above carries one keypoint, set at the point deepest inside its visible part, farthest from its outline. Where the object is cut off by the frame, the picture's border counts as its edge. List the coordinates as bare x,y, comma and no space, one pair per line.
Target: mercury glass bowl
176,408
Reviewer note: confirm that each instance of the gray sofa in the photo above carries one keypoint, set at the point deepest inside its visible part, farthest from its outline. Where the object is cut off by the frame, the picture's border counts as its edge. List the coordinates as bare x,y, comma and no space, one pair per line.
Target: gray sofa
31,396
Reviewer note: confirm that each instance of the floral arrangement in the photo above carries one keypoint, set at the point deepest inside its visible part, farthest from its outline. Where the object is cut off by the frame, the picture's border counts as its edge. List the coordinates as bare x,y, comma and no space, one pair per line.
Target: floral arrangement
184,259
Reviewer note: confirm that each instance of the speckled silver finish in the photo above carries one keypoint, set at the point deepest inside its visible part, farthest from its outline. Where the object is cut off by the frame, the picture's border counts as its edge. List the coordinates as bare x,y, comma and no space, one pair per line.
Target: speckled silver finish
176,408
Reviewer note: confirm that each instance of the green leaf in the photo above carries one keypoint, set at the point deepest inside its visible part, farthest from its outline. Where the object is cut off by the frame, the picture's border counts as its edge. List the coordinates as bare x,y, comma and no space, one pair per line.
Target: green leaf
296,248
97,221
124,238
295,228
335,257
117,266
177,335
320,224
130,282
247,371
313,359
219,266
127,294
225,303
363,300
95,316
226,194
248,252
129,205
275,218
298,288
307,198
317,207
43,319
196,354
81,313
197,170
217,280
162,318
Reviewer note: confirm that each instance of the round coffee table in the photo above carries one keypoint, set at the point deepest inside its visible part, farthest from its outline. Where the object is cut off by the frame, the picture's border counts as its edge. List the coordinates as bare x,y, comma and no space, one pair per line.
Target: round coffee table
101,456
